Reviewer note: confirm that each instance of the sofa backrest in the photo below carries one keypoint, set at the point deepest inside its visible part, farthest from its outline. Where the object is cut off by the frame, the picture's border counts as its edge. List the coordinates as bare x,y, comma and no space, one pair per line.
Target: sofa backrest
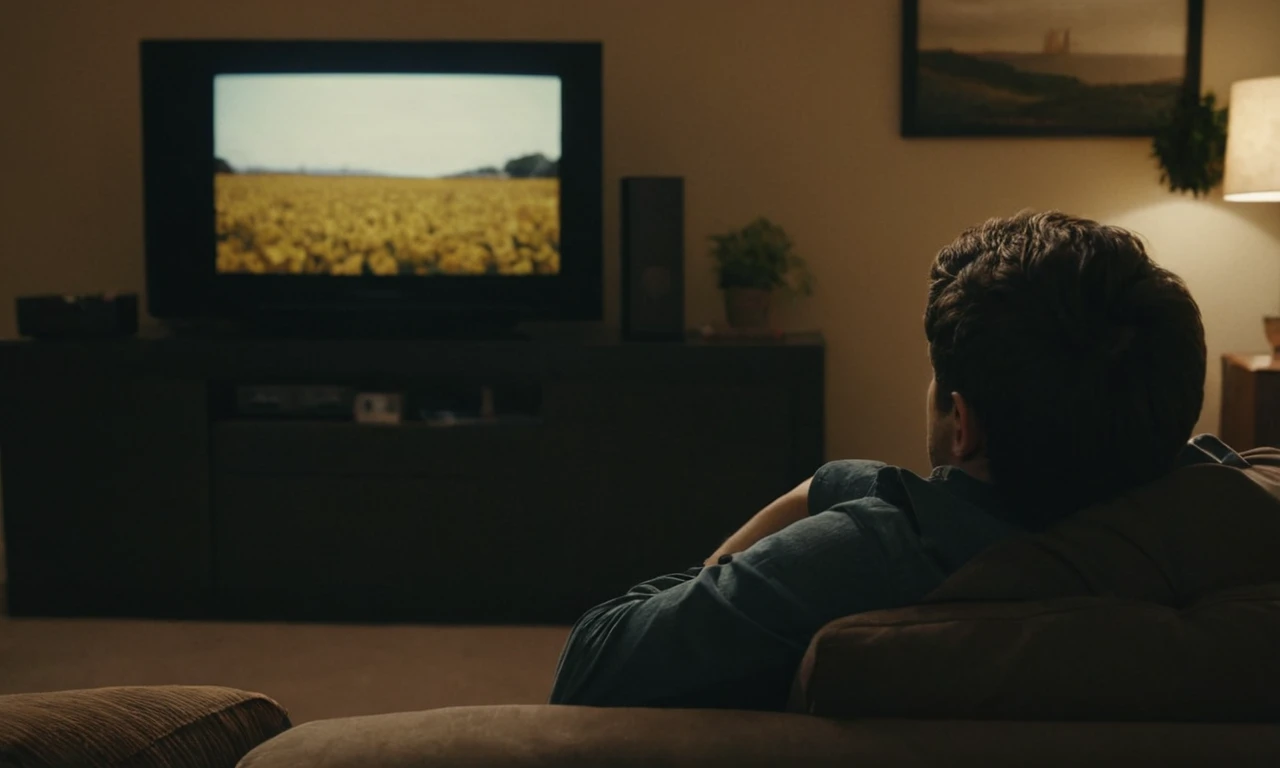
1163,604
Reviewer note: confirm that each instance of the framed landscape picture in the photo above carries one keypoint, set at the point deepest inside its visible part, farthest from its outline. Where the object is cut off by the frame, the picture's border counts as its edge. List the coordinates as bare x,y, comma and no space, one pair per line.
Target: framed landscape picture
1046,67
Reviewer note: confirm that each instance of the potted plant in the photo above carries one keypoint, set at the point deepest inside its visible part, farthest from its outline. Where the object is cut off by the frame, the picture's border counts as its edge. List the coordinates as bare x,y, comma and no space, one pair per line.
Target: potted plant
1191,145
751,263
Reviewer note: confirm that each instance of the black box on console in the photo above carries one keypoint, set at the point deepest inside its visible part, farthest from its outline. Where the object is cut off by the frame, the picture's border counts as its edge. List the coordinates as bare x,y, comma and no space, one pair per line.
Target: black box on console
78,317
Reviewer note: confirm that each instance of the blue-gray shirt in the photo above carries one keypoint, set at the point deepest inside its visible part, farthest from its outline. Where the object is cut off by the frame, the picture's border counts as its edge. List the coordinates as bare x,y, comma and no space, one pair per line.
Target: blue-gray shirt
732,635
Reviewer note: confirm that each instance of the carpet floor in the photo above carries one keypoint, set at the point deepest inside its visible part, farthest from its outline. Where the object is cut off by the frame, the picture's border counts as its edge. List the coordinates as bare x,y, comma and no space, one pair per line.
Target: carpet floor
315,670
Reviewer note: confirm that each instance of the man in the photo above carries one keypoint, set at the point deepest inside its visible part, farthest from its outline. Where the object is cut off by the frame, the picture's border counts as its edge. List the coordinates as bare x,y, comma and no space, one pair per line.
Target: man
1068,368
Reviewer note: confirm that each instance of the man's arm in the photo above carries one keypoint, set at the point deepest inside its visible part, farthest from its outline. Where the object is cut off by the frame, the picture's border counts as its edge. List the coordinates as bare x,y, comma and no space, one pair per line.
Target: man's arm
785,510
835,482
730,635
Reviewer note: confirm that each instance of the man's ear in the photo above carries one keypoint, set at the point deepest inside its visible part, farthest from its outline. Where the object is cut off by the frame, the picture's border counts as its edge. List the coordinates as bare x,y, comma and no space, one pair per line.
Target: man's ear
967,438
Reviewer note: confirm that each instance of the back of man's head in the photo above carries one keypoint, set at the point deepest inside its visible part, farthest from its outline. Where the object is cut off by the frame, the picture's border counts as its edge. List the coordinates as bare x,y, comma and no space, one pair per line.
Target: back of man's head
1082,360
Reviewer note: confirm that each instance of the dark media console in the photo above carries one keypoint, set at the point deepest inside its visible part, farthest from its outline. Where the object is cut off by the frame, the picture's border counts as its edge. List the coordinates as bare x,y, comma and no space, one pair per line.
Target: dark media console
135,483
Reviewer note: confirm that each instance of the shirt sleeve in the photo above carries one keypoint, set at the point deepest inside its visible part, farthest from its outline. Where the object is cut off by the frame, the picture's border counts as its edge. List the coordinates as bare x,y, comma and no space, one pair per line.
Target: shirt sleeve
838,482
729,635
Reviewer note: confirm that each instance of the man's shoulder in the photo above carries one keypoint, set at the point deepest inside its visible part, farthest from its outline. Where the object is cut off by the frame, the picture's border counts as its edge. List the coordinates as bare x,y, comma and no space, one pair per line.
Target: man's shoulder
842,481
949,514
850,480
852,467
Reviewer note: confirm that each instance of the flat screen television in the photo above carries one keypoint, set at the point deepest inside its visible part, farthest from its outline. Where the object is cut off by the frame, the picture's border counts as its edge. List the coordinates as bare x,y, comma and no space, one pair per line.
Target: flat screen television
312,180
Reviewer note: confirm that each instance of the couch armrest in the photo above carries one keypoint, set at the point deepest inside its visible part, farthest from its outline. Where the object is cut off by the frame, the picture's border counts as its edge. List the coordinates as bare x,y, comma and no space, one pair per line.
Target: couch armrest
544,735
135,727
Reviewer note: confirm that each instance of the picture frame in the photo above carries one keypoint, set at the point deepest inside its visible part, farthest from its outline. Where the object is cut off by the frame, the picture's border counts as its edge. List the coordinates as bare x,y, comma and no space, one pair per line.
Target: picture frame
970,68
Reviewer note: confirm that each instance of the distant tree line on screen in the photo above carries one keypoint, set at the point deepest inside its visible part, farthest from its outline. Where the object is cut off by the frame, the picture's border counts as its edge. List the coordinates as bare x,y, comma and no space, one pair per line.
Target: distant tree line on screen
535,166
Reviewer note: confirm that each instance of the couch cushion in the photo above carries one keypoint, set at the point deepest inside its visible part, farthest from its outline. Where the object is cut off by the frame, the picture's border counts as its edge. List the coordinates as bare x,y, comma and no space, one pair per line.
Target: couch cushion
1163,604
135,727
598,737
1085,658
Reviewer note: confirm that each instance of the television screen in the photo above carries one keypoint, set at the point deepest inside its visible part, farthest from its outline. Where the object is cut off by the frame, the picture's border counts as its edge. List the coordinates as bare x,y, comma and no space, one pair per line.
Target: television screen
412,184
372,174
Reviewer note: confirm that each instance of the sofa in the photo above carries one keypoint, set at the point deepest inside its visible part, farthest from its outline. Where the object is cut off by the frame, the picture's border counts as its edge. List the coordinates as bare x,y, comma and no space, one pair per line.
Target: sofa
192,726
1139,632
1143,631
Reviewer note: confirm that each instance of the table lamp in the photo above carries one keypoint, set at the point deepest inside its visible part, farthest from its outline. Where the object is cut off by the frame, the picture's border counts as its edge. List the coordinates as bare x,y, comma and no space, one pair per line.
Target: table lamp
1252,173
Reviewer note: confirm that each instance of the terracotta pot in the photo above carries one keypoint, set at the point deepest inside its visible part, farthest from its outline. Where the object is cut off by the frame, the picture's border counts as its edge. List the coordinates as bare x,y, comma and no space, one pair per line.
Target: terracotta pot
747,307
1271,325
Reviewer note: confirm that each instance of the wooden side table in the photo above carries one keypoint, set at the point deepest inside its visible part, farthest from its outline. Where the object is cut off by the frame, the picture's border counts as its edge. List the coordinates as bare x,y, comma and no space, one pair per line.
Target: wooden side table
1250,401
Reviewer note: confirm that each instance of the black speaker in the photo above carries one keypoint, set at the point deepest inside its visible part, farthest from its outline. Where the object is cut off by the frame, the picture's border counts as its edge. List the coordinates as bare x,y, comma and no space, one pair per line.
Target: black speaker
652,258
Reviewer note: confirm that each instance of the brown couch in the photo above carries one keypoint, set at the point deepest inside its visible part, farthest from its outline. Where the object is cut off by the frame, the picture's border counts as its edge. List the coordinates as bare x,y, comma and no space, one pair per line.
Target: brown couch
135,727
1141,632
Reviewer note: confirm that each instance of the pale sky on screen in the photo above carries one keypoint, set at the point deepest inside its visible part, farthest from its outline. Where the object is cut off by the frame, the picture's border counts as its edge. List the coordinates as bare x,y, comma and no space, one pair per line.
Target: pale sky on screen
1149,27
404,125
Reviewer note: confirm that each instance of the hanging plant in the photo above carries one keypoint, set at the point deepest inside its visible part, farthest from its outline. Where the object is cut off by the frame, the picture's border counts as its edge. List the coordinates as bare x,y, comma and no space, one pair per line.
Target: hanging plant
1191,146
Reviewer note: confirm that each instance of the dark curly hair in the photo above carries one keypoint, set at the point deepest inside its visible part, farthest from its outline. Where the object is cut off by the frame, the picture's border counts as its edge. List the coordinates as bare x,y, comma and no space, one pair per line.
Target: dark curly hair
1083,360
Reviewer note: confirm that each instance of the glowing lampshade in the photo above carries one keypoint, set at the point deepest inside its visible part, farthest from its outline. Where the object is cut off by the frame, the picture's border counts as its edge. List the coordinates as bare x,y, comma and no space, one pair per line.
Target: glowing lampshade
1253,142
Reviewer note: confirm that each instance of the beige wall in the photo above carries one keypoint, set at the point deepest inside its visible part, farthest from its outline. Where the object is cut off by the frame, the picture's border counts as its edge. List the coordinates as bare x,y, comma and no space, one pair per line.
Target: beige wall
783,107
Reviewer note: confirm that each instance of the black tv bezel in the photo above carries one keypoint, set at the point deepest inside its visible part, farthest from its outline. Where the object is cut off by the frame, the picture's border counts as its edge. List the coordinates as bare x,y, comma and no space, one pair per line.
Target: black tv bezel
180,241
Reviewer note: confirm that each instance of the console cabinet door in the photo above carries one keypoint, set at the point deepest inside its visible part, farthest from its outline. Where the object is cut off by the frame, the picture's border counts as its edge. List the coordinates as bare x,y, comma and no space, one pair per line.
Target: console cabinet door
106,498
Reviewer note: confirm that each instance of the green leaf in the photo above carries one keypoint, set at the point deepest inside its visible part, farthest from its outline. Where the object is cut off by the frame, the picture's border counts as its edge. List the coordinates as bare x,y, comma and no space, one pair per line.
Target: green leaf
759,255
1191,145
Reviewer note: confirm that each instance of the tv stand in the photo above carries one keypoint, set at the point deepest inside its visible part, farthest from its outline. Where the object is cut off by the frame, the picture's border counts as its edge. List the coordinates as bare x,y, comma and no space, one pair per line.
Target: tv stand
355,324
134,484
